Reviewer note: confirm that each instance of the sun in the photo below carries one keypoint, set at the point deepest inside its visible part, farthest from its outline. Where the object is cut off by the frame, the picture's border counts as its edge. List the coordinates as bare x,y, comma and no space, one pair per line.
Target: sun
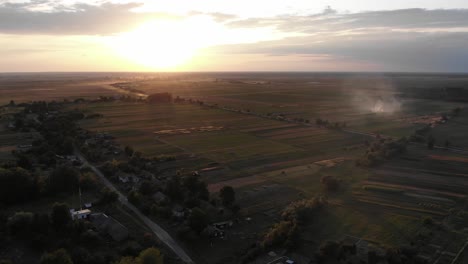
160,44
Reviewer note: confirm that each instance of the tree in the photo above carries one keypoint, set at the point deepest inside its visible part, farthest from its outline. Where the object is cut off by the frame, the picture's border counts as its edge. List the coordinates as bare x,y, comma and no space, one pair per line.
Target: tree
329,250
331,183
280,234
150,256
60,215
147,187
64,179
447,143
57,257
430,142
108,196
88,181
134,198
20,222
227,195
127,260
196,187
67,146
24,162
198,219
173,188
129,151
16,185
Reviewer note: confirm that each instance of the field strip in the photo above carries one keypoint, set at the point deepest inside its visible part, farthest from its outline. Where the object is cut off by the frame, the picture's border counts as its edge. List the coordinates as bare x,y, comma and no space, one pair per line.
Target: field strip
400,207
406,187
408,170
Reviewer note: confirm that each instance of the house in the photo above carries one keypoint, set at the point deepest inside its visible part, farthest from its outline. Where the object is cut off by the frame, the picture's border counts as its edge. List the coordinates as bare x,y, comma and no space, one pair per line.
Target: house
211,231
223,225
359,245
159,197
80,214
24,147
178,211
109,225
124,177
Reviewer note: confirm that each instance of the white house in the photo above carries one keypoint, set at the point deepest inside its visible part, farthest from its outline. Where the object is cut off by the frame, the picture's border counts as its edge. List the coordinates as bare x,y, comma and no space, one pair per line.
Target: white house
81,214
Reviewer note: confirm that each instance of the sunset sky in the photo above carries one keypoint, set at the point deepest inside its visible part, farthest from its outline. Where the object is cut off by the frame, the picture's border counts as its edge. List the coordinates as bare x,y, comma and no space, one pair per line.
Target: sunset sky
241,35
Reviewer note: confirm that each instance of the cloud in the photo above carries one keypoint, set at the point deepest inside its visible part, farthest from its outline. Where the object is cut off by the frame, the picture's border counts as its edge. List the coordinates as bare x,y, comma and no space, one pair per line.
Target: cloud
398,40
50,17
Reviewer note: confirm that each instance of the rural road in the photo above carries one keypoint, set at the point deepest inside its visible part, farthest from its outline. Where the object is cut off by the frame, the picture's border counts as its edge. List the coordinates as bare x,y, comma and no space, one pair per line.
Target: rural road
157,230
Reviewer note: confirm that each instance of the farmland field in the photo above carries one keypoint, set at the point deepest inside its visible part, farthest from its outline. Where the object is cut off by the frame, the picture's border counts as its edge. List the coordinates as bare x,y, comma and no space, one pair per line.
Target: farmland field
259,134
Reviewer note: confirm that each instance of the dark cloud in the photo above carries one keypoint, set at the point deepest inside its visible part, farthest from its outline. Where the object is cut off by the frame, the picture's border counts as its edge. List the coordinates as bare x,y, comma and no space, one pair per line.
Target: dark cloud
78,19
397,51
329,19
398,40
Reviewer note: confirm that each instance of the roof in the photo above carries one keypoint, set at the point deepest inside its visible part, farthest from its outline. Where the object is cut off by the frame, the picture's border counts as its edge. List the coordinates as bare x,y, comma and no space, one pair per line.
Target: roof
85,211
159,197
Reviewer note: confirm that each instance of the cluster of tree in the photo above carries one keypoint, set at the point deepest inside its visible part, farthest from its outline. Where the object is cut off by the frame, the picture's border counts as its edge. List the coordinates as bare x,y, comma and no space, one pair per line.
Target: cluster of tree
328,124
301,120
340,252
159,98
420,134
148,256
18,185
381,150
285,232
330,183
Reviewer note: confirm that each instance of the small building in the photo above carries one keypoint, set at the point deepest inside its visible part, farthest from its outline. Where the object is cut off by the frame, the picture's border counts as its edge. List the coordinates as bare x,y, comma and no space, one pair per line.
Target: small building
159,197
24,147
211,231
178,211
80,214
223,225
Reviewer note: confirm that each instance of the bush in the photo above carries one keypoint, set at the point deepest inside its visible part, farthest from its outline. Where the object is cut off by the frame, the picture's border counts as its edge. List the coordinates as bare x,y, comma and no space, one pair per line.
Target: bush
281,234
64,179
198,219
57,257
20,223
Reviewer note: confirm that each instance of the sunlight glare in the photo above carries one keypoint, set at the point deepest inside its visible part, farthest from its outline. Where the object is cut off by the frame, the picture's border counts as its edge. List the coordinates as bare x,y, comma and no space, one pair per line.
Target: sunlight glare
163,44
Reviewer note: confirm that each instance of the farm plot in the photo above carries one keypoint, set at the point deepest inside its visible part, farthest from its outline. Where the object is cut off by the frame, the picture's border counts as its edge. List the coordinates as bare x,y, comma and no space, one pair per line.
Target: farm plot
416,184
9,140
454,131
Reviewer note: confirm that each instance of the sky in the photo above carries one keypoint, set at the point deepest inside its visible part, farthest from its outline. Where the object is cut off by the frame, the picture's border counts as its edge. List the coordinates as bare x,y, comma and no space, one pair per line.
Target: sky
227,35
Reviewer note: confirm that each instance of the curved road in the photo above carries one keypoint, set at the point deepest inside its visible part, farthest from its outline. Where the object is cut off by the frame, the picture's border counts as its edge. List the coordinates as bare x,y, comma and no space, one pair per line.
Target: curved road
157,230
